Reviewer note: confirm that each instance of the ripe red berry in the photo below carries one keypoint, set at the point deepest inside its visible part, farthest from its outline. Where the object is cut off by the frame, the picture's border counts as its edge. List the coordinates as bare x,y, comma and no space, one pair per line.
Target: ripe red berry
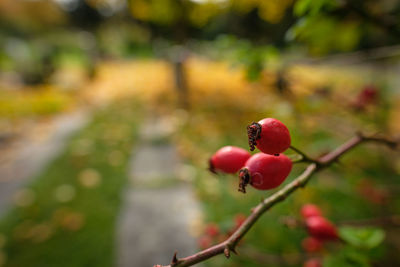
368,96
309,210
311,244
312,263
264,171
212,229
321,228
228,159
269,136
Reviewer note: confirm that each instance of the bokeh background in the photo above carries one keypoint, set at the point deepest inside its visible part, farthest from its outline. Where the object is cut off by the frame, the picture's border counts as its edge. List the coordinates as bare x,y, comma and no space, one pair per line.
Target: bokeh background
110,110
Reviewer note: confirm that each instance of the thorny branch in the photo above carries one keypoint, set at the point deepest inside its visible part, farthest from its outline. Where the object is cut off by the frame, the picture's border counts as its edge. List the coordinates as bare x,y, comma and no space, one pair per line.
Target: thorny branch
314,166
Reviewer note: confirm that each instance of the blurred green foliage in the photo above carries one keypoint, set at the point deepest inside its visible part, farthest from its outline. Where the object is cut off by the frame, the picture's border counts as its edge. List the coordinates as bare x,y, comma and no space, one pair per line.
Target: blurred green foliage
362,237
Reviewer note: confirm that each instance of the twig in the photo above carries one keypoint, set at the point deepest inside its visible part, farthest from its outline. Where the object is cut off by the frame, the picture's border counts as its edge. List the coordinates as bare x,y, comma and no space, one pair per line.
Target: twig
230,244
304,157
359,138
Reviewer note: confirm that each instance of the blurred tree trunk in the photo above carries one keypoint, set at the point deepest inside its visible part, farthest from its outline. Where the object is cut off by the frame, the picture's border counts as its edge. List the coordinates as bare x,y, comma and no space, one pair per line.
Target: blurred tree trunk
181,82
179,56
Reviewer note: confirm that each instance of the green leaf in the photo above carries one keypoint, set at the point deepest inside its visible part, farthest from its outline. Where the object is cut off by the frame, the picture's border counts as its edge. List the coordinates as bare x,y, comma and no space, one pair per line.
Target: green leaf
313,7
347,257
362,237
355,258
334,260
301,7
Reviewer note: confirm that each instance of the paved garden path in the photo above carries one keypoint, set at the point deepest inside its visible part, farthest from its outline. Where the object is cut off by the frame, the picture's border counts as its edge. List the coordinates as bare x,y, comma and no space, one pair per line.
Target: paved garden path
159,209
26,157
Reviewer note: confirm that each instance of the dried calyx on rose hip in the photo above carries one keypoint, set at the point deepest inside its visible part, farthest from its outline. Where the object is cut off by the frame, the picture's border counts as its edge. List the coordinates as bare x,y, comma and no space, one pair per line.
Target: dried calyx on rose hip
269,136
228,159
263,171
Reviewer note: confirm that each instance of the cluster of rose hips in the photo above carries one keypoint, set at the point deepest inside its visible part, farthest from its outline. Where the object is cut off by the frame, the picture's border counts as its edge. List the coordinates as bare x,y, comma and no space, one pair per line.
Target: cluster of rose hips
265,170
213,234
320,230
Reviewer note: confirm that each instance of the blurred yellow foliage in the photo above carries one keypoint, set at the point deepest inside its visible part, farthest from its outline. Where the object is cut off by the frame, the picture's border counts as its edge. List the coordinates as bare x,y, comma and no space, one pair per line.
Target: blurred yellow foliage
145,79
141,9
200,12
216,84
31,13
158,11
395,118
217,81
243,6
200,15
273,10
43,100
306,79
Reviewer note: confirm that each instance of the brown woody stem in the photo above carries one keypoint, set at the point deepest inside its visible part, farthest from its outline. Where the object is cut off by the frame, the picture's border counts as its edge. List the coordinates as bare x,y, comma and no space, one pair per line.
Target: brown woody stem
315,165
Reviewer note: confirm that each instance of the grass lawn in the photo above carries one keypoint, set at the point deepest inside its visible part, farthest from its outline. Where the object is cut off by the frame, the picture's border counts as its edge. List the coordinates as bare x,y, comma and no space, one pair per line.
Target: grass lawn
67,216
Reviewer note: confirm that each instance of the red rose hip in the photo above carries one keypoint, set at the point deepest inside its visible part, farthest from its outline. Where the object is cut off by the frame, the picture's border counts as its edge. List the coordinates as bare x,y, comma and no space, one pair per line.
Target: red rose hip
269,136
228,159
312,263
309,210
212,229
321,228
264,171
311,244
